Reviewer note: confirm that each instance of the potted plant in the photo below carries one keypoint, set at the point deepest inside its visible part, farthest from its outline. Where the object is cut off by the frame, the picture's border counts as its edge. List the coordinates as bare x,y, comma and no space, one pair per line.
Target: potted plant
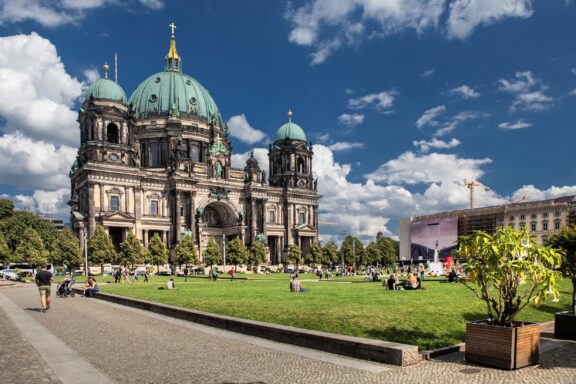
507,270
565,240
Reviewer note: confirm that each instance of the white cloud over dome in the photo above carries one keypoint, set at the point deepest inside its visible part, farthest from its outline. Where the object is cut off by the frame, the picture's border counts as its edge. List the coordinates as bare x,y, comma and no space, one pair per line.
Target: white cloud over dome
241,129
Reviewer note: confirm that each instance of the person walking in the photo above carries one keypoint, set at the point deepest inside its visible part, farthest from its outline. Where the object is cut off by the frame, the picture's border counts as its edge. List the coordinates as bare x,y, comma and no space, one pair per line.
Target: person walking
44,279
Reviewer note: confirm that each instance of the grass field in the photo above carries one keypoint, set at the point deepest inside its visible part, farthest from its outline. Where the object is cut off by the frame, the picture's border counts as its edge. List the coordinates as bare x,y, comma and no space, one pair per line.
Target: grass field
428,318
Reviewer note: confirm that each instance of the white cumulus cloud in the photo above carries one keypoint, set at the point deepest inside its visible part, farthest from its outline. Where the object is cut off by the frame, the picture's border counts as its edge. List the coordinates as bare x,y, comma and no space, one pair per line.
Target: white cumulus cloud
383,101
425,146
241,129
464,92
36,93
520,124
529,92
350,120
328,25
429,116
344,145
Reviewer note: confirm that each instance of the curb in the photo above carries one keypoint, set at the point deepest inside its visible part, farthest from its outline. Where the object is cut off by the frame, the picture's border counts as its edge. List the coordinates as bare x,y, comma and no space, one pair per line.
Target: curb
356,347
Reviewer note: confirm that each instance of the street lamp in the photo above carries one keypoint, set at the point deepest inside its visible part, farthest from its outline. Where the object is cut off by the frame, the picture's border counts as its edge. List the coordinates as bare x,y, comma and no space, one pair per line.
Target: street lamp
86,254
224,251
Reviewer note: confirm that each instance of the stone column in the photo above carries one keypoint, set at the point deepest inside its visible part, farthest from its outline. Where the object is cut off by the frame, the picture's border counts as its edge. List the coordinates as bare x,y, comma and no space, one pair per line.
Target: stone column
91,213
101,188
193,214
289,224
145,237
138,211
164,204
253,219
177,216
265,218
164,237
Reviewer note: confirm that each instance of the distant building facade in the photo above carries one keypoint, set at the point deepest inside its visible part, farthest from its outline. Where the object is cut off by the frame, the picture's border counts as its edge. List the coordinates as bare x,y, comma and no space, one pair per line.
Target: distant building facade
160,163
542,218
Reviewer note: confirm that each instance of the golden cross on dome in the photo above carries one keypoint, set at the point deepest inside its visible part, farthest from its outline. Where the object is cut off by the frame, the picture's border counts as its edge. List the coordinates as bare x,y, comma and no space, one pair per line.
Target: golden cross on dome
173,26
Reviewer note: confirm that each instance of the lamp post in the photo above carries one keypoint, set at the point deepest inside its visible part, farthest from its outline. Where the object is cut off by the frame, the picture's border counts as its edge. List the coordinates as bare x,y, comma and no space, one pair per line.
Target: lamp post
224,251
86,254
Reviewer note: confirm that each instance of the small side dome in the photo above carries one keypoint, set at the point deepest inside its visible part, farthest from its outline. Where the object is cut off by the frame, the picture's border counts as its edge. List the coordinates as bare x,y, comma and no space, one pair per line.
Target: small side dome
290,131
106,89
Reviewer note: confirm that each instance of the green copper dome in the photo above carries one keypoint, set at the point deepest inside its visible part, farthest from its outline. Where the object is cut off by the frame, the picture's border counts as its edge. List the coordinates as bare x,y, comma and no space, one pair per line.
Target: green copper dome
173,93
290,131
106,89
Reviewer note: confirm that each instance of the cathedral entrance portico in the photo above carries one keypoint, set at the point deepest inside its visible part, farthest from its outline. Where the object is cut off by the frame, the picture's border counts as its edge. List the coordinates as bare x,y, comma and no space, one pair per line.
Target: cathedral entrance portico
220,221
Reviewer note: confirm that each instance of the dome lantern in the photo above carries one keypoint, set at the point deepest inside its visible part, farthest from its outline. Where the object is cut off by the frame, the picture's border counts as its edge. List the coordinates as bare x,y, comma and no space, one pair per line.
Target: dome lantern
173,60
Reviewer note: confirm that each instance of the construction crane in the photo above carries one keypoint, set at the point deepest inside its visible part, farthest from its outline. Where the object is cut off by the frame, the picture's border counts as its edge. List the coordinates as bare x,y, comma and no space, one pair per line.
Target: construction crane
471,184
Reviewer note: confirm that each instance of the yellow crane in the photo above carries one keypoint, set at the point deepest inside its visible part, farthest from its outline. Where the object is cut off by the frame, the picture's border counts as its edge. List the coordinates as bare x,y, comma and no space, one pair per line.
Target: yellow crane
471,184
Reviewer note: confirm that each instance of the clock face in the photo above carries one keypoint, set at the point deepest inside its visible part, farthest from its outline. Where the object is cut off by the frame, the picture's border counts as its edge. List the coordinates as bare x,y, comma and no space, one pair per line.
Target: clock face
113,157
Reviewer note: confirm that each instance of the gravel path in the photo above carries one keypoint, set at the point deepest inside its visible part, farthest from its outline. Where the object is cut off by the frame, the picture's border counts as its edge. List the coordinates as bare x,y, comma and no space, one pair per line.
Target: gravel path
132,346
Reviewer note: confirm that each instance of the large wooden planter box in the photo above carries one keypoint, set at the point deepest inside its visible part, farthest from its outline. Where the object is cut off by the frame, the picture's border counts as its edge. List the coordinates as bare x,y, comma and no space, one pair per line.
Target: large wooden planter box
565,326
503,347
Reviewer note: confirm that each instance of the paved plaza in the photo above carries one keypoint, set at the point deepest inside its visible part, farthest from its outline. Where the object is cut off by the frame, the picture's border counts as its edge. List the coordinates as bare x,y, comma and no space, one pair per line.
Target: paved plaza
89,341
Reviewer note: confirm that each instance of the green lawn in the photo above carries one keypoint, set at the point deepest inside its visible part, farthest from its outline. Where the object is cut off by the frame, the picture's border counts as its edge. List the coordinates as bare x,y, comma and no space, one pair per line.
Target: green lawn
431,318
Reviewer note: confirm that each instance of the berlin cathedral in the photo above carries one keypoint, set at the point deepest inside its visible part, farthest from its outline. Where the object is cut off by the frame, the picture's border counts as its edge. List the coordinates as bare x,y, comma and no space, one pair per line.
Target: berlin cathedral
159,163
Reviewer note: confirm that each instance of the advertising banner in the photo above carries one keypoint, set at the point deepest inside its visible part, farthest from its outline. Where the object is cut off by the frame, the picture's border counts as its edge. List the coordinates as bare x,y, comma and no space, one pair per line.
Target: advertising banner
428,235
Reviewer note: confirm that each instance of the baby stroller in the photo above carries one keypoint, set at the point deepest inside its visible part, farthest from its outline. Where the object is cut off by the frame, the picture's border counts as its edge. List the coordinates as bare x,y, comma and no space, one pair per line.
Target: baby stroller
64,289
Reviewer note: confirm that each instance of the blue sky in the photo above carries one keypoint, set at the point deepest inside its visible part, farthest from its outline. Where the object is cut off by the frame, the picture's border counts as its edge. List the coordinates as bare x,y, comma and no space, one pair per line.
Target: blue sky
402,100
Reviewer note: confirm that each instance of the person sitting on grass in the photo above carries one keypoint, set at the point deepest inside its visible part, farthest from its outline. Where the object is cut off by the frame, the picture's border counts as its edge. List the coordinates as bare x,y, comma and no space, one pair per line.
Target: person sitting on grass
452,276
170,284
295,285
413,282
391,283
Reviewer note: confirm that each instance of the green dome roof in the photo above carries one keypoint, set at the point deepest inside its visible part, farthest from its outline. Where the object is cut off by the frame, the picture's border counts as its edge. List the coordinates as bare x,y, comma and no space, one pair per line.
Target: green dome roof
290,131
173,93
106,89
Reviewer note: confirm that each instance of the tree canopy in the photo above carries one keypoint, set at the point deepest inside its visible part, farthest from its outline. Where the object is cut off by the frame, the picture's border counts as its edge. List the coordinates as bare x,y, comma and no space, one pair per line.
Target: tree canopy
236,252
100,248
186,253
16,224
4,250
565,240
330,251
6,208
66,249
387,247
211,254
132,251
315,255
30,249
257,253
157,251
352,251
295,255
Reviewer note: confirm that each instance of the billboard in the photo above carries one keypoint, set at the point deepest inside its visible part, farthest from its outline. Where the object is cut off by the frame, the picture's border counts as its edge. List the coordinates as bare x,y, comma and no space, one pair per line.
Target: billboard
430,234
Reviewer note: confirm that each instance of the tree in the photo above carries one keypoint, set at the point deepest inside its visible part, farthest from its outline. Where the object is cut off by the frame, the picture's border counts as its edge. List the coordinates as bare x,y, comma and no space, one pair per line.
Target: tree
30,249
100,248
352,251
4,250
257,253
212,254
186,252
66,249
330,252
565,240
498,264
157,252
17,223
315,254
388,249
132,251
373,253
295,255
6,208
236,252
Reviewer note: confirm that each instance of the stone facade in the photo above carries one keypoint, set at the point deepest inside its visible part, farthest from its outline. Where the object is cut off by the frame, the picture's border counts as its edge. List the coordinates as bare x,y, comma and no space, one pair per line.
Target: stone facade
170,173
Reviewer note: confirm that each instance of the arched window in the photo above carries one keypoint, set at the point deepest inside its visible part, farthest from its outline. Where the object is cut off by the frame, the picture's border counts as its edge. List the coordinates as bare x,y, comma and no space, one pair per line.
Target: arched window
301,165
112,133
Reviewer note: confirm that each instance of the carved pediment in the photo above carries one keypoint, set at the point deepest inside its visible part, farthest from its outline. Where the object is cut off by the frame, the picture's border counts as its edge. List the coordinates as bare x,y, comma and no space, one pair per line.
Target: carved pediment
117,216
306,228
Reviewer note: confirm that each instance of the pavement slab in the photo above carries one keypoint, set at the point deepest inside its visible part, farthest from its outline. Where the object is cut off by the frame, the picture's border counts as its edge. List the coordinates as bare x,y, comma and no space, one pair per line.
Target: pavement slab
132,346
